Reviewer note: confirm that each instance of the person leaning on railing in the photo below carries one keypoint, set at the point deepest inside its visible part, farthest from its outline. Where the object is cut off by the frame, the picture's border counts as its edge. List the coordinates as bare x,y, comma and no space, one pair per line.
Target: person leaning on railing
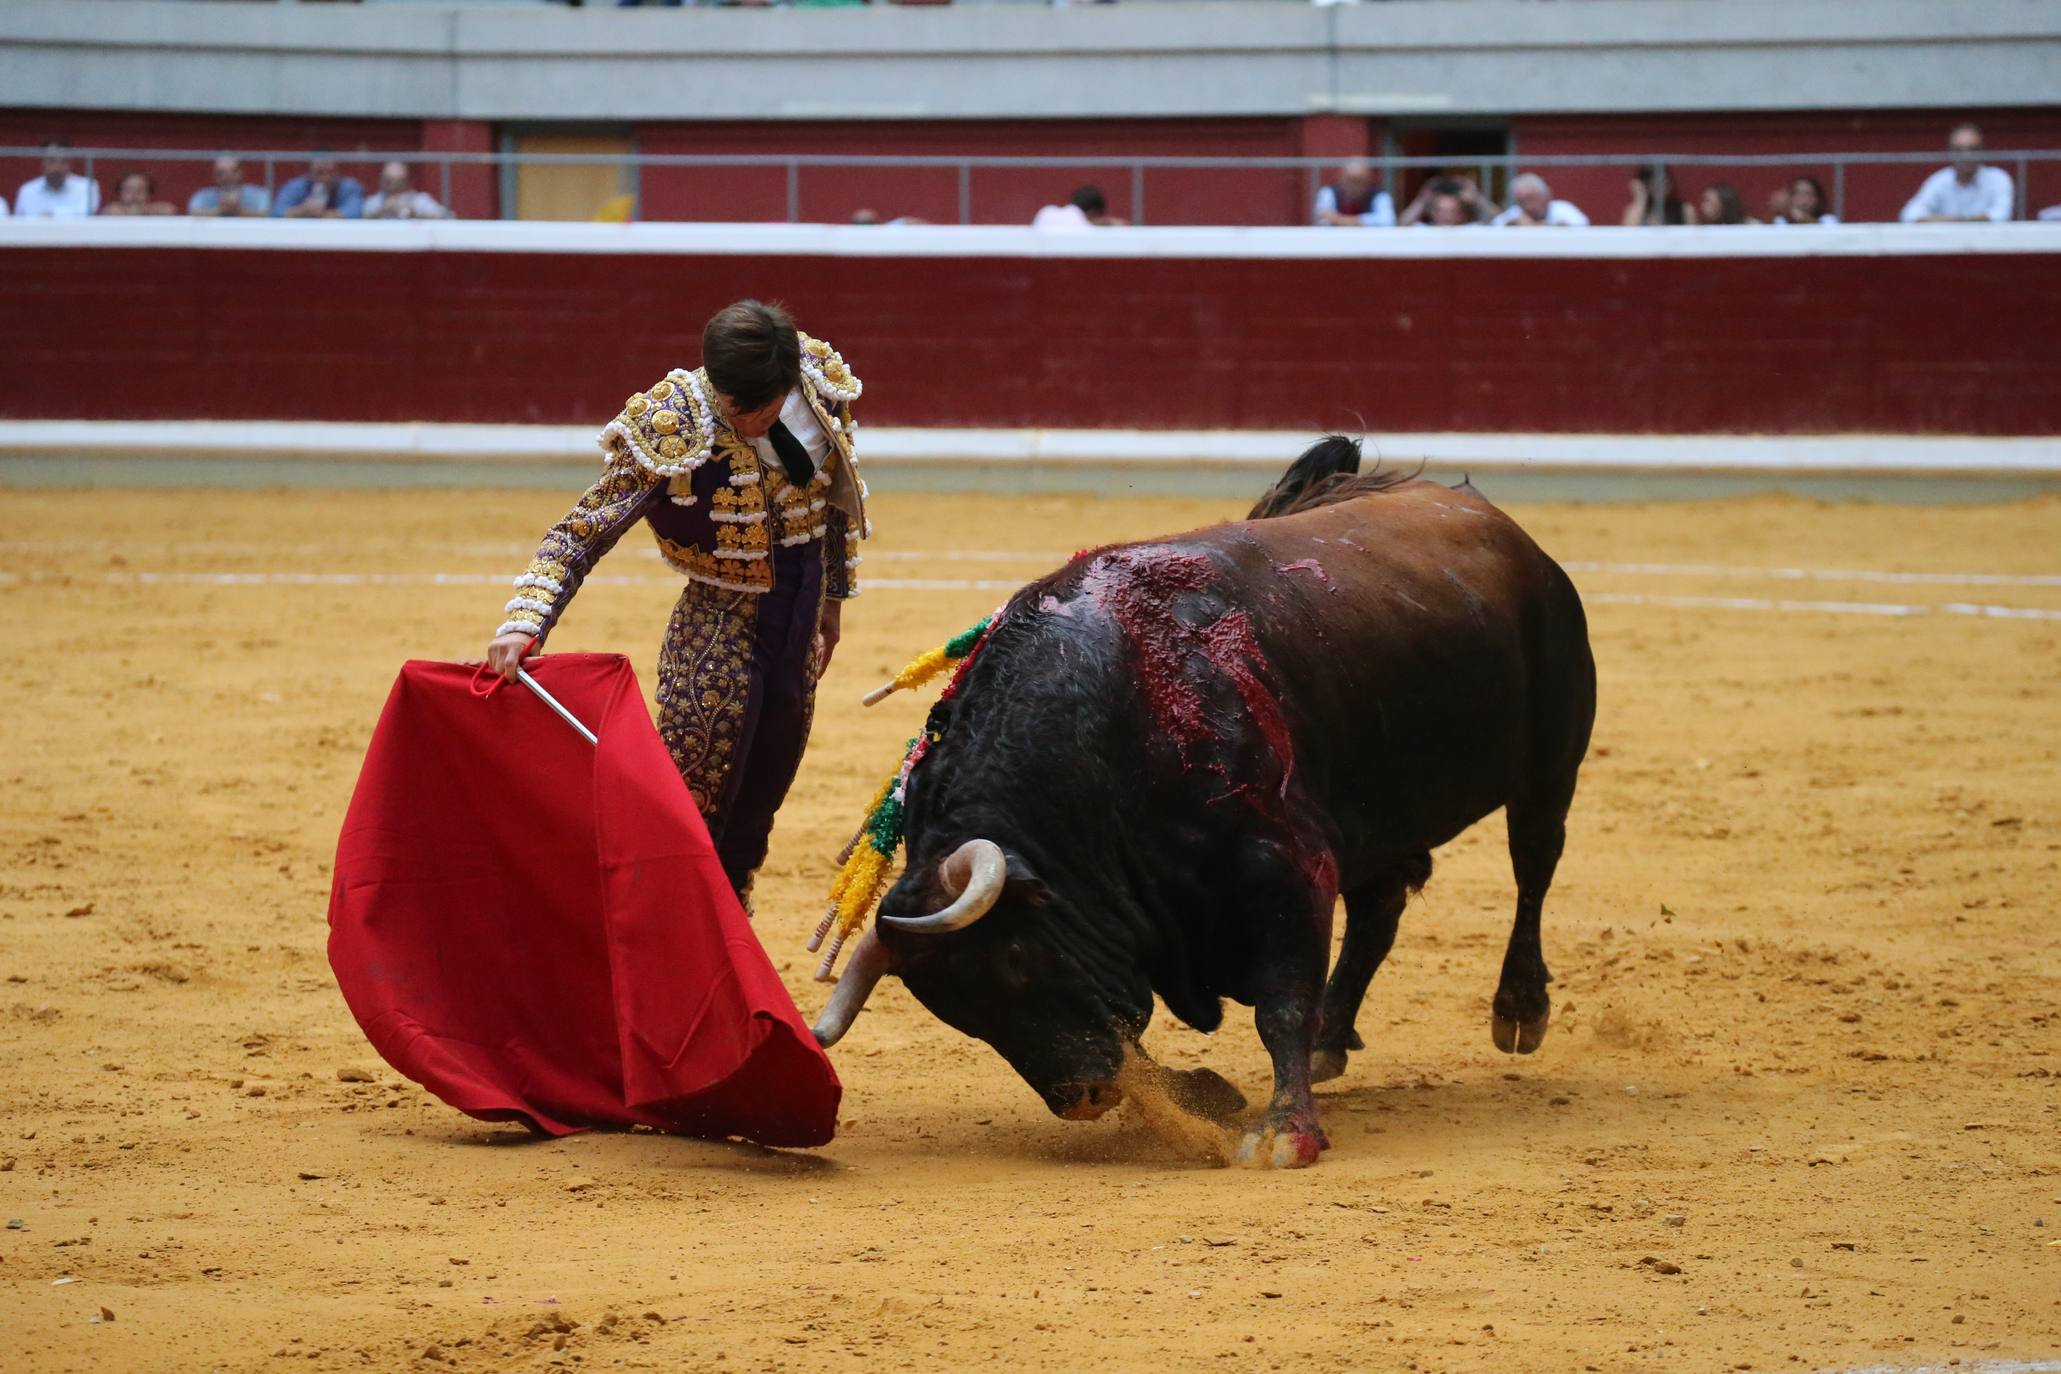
1966,190
1532,206
1721,203
1803,203
1653,199
1356,198
396,198
136,194
324,193
230,196
1449,202
59,193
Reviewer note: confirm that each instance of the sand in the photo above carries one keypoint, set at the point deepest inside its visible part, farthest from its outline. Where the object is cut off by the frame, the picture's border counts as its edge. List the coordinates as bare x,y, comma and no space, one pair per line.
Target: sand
1800,1106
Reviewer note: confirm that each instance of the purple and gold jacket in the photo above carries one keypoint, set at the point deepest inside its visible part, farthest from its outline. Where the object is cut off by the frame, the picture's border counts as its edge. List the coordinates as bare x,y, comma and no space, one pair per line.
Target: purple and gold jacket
717,510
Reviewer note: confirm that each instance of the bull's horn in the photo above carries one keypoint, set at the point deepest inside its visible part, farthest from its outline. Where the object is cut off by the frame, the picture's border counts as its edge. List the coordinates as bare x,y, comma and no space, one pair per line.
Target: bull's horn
848,998
973,875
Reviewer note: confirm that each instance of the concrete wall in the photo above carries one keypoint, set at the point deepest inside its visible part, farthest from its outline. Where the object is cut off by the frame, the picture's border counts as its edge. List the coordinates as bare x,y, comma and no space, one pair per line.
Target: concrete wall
1407,57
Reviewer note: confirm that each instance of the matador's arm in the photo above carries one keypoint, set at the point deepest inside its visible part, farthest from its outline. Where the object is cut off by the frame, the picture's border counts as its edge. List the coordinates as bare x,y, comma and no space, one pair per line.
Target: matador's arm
572,547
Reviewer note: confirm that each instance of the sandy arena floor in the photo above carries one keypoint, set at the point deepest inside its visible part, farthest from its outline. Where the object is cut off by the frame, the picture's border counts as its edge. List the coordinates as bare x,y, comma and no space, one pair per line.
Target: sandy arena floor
1800,1108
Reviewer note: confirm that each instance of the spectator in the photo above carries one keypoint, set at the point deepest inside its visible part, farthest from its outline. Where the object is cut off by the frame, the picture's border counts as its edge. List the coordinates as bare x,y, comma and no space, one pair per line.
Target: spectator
1532,205
58,194
1448,203
3,207
1965,190
1088,209
1654,200
324,193
397,199
1355,199
230,195
1805,204
136,194
864,216
1722,204
1095,206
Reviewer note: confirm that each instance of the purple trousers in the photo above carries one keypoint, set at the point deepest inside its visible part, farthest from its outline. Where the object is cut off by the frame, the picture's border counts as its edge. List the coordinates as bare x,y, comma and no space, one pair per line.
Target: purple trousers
736,695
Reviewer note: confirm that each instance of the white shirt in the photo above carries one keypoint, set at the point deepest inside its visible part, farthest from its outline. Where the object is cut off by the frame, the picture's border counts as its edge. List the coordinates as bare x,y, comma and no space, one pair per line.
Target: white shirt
800,419
1986,196
3,207
412,205
1558,212
1380,212
1058,217
77,198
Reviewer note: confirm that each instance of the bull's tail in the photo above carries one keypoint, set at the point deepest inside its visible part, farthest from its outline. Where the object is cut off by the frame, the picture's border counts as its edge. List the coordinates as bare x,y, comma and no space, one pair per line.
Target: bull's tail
1323,465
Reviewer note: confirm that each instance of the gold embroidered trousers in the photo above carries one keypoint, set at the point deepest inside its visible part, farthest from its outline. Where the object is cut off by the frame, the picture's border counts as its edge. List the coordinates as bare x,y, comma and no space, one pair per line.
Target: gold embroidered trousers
736,696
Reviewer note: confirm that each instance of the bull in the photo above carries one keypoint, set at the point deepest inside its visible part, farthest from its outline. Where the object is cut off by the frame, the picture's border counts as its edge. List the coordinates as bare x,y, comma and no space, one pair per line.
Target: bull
1170,758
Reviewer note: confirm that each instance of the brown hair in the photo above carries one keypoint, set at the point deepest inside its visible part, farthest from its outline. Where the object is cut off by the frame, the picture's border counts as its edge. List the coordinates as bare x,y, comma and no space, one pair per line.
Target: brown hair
751,353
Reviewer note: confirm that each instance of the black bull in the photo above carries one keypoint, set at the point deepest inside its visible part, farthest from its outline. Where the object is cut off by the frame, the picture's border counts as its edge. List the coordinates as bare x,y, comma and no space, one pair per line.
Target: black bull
1170,759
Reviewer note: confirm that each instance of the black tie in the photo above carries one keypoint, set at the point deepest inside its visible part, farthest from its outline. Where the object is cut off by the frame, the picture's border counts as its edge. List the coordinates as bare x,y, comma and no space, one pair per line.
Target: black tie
794,459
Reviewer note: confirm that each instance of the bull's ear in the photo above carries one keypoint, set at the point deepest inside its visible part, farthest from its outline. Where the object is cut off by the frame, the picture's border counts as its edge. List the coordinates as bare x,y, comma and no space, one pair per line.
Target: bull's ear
1024,884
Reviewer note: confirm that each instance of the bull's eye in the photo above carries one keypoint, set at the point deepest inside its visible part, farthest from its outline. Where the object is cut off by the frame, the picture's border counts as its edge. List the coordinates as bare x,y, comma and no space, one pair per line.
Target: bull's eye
1016,963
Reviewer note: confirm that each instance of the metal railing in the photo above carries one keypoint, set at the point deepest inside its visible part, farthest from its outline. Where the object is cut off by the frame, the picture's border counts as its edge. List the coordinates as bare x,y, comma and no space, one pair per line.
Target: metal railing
2019,161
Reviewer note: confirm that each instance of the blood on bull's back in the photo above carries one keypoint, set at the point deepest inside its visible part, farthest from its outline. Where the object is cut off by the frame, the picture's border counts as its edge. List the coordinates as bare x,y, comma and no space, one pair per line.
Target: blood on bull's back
1429,660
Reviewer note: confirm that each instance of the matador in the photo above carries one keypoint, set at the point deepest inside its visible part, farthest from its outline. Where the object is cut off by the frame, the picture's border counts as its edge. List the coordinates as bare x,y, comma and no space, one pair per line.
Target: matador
743,469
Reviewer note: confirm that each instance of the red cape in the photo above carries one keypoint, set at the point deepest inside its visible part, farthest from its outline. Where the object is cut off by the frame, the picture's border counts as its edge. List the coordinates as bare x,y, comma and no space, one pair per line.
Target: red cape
536,929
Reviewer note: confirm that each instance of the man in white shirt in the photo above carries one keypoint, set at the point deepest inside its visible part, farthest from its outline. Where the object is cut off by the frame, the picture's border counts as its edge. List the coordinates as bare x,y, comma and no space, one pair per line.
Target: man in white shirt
398,199
1532,205
1965,190
58,194
1355,199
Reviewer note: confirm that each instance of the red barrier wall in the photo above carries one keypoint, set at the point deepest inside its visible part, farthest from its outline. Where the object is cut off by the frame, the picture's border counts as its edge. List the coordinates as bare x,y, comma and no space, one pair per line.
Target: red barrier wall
1911,344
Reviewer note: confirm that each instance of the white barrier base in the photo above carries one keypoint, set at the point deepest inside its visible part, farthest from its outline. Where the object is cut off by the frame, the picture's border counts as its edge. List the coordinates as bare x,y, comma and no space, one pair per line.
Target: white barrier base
1851,454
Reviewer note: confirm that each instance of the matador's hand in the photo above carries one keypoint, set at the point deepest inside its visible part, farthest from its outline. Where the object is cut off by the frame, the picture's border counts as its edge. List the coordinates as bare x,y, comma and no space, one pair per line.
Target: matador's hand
504,654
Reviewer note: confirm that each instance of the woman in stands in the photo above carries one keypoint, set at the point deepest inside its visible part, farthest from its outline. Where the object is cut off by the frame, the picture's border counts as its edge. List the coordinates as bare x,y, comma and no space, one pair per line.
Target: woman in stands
1807,204
137,195
1722,204
1654,200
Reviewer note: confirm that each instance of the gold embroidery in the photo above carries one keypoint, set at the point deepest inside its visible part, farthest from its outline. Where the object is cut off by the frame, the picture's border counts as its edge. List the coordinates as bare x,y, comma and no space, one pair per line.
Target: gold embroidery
704,683
752,572
672,447
739,502
663,391
666,422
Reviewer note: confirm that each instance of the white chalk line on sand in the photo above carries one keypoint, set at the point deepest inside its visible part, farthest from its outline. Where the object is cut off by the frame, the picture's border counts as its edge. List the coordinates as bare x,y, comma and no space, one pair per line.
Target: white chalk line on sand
1049,559
1889,609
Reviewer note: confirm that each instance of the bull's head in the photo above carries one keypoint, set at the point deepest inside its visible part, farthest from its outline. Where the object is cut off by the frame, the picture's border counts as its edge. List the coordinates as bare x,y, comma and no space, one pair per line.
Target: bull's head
979,942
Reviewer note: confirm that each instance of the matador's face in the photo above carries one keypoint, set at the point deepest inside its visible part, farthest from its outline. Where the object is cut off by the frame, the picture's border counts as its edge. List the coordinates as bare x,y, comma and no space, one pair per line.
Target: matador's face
750,424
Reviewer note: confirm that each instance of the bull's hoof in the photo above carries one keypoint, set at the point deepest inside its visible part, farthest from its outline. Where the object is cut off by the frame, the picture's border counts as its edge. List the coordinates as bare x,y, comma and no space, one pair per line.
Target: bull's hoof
1206,1093
1326,1065
1268,1148
1519,1037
